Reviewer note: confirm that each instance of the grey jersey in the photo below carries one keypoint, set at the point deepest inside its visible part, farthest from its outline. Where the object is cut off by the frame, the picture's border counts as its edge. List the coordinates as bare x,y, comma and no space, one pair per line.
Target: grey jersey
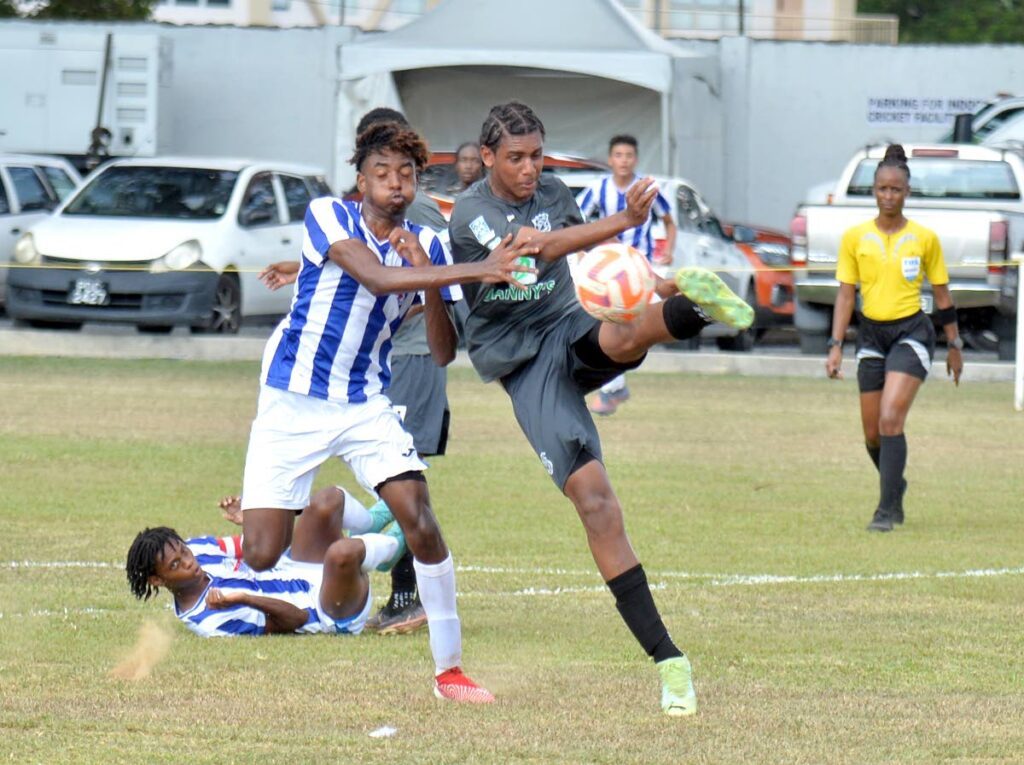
411,336
506,325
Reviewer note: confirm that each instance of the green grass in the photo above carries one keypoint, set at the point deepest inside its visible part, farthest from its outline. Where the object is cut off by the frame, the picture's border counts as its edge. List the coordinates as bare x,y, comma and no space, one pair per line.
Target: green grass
720,477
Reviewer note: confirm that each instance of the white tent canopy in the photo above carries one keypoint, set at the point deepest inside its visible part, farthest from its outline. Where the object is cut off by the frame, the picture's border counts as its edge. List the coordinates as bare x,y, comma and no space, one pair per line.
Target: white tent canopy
588,68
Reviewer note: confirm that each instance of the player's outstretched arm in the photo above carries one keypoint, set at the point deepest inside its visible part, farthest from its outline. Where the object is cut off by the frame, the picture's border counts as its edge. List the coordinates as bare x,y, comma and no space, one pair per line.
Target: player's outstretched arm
281,617
499,267
559,243
277,275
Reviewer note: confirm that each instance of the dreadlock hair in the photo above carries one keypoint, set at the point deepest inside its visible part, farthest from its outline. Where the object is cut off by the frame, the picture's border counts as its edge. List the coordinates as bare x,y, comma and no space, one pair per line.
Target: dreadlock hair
513,118
895,156
380,114
143,555
623,140
395,136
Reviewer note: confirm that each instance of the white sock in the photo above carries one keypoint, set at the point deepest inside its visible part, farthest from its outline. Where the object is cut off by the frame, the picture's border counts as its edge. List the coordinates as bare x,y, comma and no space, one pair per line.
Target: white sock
379,548
614,386
436,584
354,515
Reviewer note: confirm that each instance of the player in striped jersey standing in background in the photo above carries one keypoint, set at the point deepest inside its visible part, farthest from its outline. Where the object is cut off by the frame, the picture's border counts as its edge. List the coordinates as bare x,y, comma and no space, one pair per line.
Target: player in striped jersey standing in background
327,365
607,196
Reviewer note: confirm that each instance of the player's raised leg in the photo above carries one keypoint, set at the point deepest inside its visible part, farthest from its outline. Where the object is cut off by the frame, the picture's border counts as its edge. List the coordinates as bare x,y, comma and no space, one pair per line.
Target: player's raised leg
695,299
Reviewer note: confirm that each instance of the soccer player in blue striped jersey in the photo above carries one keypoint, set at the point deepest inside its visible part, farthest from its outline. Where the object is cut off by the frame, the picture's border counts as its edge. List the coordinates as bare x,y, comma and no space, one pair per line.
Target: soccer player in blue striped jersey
607,196
327,366
320,586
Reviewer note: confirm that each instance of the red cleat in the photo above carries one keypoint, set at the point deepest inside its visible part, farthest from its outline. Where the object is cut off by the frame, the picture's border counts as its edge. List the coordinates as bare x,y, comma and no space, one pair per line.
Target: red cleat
452,685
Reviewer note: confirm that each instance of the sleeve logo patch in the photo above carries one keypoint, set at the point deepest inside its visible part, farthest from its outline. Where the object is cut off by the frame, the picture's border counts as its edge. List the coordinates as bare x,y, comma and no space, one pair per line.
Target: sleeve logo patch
481,230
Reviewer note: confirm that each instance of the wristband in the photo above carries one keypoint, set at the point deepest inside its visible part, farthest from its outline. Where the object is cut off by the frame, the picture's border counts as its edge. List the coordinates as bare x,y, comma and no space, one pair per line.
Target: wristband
946,315
833,343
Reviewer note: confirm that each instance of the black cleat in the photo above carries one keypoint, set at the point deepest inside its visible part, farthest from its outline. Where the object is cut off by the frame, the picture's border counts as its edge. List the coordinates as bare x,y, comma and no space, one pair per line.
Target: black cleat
882,521
403,613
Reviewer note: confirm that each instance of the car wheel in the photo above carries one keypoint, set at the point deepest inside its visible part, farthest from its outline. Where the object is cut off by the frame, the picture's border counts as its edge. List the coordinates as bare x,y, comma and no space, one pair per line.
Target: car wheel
150,329
225,315
981,339
813,343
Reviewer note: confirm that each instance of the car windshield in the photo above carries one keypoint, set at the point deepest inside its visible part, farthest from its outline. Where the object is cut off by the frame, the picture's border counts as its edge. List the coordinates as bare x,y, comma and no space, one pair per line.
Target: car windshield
156,192
945,178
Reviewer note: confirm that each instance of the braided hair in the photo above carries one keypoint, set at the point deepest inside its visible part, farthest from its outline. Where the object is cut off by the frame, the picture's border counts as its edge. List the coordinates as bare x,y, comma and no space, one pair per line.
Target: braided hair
895,156
395,136
513,118
146,551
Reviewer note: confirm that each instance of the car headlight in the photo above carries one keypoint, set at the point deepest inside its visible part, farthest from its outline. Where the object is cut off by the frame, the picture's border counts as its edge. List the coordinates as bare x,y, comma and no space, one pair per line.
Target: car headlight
776,255
178,259
25,251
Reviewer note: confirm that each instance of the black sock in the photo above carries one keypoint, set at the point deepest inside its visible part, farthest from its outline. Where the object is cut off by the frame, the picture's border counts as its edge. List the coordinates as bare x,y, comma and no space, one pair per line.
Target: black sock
403,575
874,452
636,605
682,319
891,464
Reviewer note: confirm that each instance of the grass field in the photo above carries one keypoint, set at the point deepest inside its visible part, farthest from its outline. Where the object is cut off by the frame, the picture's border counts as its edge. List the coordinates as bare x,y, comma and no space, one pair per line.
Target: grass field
746,499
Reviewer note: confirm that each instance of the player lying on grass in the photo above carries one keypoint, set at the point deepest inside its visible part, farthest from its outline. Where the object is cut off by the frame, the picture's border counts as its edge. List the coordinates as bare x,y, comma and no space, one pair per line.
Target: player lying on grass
320,585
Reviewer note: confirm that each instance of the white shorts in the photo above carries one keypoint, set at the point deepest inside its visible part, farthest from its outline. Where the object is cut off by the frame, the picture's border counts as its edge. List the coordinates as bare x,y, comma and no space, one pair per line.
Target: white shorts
293,435
314,574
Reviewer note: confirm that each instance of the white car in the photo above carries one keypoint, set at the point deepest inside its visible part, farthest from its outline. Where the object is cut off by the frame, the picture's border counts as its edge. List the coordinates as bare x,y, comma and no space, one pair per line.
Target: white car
30,188
165,242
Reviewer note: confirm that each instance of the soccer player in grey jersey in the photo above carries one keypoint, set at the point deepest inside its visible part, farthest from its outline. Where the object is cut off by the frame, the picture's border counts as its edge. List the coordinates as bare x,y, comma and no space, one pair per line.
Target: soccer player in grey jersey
548,353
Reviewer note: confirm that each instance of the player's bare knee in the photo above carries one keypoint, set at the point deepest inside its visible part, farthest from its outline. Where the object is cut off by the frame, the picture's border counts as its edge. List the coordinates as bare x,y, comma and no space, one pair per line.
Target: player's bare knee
601,515
890,422
259,555
345,554
325,503
423,536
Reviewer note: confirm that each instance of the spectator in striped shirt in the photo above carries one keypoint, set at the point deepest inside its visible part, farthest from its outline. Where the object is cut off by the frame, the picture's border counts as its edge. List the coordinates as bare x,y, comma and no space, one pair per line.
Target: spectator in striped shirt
607,196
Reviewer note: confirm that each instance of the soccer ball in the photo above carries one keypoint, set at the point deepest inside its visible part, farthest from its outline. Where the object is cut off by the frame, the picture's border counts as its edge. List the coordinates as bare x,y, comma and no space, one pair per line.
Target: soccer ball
614,283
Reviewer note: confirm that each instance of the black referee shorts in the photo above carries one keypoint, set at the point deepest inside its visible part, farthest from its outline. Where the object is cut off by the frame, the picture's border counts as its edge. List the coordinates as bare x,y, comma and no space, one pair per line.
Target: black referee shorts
904,345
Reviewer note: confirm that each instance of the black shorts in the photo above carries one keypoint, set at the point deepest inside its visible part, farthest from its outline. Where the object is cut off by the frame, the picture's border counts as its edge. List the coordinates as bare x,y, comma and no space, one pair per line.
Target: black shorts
548,392
418,392
905,345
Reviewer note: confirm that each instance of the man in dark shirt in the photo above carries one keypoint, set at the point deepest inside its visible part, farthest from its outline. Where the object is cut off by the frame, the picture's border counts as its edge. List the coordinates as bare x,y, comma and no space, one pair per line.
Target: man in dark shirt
548,353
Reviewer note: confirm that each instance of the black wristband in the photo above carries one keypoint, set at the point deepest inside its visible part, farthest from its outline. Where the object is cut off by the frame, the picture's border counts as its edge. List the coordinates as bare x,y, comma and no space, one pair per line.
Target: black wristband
946,315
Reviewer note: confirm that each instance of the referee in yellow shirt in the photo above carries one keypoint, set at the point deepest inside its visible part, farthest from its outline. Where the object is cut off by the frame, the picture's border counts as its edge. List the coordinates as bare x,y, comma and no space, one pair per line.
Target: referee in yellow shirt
888,257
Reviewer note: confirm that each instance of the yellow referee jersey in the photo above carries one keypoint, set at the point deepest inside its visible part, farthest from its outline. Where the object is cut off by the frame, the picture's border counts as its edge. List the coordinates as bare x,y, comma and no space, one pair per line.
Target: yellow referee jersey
890,267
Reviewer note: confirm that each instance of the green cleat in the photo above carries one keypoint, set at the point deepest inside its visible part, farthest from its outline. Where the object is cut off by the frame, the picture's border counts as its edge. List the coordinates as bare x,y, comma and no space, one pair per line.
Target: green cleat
394,530
677,695
714,298
381,516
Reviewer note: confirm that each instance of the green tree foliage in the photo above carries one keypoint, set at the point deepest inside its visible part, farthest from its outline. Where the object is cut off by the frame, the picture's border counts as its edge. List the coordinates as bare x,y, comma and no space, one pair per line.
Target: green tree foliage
7,9
88,10
941,21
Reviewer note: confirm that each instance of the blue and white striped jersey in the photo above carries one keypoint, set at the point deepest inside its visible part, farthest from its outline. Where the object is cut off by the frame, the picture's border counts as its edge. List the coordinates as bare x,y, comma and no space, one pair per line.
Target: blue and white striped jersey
606,198
296,584
335,342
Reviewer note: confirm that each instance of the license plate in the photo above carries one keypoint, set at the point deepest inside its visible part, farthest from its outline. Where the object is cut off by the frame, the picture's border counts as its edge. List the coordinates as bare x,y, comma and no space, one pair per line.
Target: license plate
88,292
926,303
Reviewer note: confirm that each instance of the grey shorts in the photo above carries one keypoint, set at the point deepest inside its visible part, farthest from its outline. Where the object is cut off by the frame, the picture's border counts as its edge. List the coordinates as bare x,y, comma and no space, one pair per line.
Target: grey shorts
548,392
905,345
418,392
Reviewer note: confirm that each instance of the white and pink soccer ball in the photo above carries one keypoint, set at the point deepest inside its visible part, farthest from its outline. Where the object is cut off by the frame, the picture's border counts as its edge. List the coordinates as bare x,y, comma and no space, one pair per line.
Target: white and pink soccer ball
614,282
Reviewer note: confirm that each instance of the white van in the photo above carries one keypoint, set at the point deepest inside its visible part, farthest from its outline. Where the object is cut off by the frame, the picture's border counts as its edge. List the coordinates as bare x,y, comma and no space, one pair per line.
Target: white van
165,242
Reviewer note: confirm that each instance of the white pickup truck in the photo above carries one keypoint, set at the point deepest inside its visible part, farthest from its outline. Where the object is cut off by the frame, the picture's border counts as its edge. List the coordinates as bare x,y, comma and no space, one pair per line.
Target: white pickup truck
969,195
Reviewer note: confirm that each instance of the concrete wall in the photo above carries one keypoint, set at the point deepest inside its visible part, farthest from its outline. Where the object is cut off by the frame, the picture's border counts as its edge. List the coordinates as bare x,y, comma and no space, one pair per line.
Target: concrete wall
792,113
